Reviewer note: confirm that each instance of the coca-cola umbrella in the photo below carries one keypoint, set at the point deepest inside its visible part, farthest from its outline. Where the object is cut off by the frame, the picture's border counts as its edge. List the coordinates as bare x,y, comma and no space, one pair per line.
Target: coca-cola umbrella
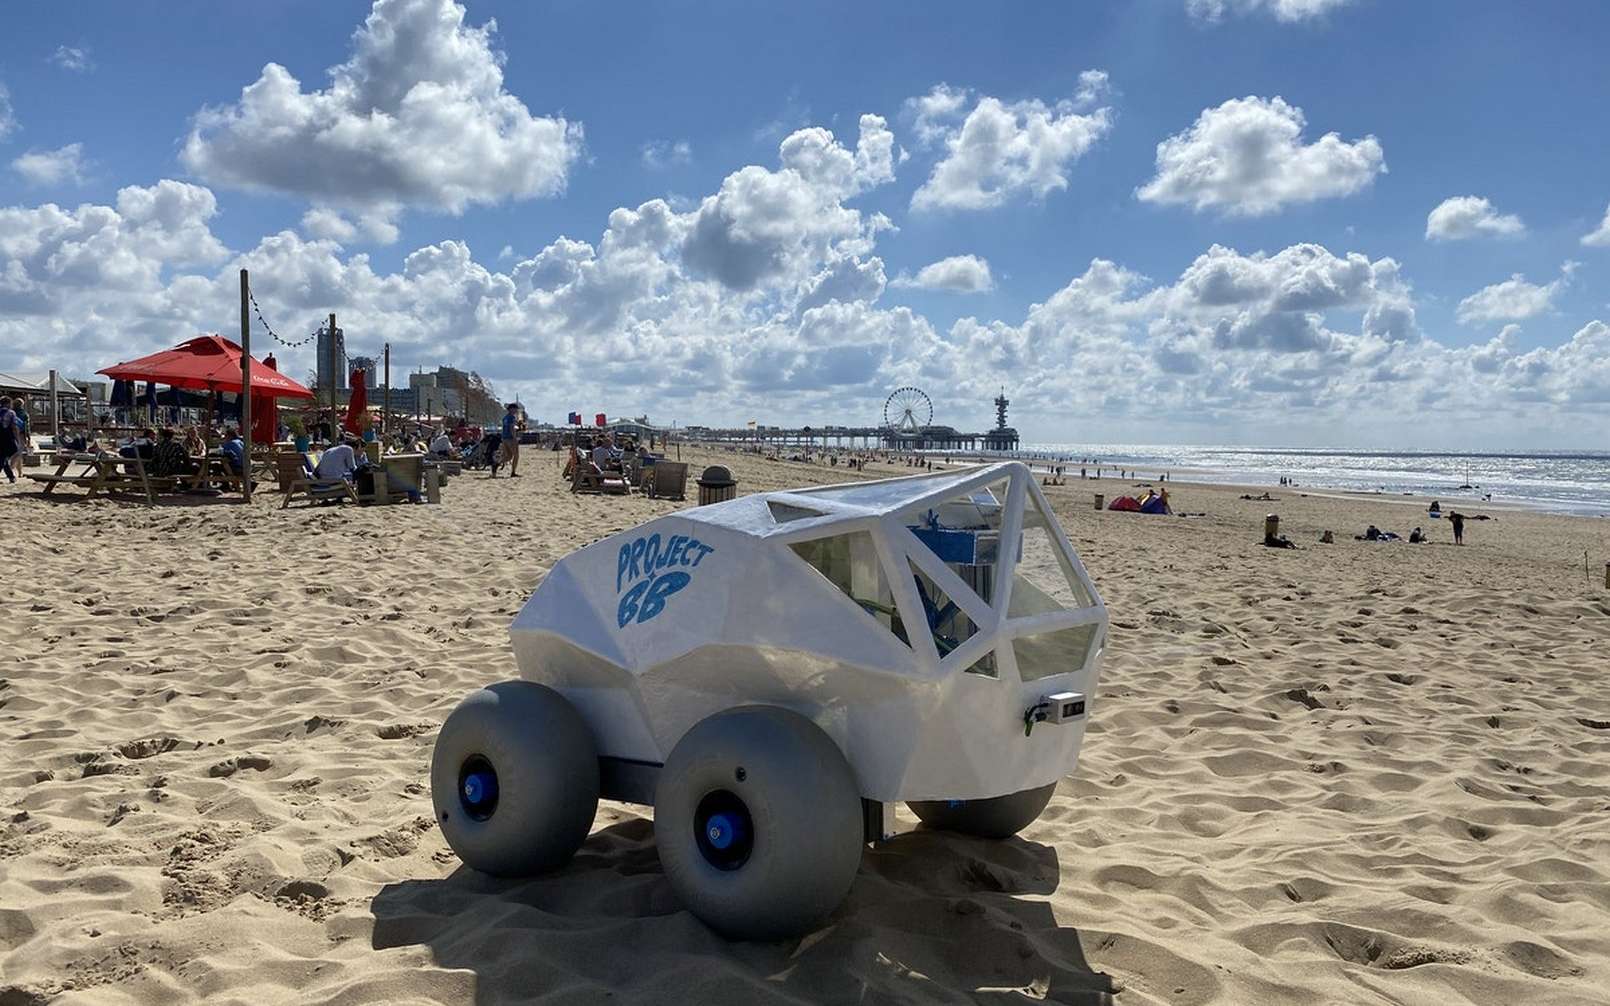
205,363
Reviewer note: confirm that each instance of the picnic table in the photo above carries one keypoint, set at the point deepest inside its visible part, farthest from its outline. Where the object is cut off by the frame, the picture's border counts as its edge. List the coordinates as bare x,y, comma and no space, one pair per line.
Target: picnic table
100,473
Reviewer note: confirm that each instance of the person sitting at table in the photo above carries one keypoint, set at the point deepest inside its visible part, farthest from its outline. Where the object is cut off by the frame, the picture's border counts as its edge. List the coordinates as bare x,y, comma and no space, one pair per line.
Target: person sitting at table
234,451
141,446
169,458
442,445
338,463
194,445
604,453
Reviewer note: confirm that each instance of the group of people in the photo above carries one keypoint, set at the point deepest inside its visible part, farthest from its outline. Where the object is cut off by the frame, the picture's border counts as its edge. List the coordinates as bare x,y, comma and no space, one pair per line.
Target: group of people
13,437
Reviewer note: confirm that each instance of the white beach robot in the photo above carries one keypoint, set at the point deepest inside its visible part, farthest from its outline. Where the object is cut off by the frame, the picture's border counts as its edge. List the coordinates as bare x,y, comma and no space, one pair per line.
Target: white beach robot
772,674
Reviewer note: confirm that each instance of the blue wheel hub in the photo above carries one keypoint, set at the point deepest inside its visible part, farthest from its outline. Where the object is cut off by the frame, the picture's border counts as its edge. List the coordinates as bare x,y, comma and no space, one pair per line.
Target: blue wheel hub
478,788
723,830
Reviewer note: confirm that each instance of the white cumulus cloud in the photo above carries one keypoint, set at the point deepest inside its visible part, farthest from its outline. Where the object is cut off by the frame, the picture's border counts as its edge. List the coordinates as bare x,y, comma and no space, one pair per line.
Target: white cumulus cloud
418,116
1248,157
1094,88
51,167
1001,151
958,274
1514,299
1599,238
1460,217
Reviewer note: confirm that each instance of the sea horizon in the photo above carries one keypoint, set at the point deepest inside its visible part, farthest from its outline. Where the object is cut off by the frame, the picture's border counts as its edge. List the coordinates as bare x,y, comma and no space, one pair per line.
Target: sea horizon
1561,481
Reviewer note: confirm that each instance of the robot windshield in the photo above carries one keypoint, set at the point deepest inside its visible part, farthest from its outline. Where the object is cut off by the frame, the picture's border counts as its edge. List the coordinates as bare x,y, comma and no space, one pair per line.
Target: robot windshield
965,535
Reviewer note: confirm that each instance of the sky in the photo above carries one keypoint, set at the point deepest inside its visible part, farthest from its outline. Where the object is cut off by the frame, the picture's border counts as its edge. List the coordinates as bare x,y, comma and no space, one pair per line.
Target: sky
1280,222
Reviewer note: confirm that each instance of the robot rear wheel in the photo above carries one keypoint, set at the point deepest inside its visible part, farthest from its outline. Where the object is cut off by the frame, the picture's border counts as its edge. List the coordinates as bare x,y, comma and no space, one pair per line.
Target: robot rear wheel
757,817
514,778
997,817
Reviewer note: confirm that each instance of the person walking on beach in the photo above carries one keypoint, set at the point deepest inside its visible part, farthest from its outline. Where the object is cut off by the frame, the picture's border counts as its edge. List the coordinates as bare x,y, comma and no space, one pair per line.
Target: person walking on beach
8,438
1457,519
511,439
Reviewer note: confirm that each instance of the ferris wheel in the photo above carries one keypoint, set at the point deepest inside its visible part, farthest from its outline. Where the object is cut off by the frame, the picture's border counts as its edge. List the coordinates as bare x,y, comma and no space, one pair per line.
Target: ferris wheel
907,410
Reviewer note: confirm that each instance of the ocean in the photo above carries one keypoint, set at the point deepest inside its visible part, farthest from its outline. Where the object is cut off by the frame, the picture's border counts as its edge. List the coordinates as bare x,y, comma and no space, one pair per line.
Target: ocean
1563,481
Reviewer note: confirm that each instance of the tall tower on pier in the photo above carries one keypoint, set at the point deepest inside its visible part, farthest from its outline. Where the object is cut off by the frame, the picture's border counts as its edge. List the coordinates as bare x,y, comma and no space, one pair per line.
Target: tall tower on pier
1002,437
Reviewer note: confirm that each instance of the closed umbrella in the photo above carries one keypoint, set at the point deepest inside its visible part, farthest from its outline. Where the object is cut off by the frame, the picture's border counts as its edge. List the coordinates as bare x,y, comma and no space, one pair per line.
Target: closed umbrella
357,404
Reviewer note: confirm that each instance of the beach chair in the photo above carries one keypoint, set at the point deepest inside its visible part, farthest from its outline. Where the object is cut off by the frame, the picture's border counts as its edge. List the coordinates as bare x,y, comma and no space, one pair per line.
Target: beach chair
667,480
405,476
589,479
295,481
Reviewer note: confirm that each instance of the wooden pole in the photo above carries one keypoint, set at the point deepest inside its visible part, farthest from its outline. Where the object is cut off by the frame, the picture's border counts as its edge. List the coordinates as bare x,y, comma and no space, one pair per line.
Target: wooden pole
385,406
55,412
245,390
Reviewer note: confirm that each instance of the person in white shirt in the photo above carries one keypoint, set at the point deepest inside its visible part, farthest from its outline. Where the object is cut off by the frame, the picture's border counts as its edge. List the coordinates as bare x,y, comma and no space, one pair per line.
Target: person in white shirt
336,464
604,452
442,446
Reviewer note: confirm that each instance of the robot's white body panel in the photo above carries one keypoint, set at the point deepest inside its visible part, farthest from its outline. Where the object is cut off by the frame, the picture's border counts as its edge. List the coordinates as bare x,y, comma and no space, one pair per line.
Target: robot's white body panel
918,621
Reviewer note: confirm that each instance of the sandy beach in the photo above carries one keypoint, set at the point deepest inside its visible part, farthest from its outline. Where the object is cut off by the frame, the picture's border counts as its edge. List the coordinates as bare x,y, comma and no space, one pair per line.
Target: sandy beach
1348,773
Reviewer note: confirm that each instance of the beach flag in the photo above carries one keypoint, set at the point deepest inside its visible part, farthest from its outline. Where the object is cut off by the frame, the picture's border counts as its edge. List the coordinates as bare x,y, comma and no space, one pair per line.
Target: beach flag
574,419
598,420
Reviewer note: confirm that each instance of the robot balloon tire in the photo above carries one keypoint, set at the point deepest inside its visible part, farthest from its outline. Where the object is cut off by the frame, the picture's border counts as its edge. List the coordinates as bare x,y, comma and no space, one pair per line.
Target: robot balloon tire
514,778
1000,817
758,821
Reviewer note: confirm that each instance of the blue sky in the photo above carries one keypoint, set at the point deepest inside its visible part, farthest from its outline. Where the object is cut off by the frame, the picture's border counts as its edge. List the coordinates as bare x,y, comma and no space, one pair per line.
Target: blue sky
1428,102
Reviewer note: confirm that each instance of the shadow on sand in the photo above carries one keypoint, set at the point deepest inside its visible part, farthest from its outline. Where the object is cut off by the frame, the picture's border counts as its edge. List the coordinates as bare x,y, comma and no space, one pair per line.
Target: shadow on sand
932,917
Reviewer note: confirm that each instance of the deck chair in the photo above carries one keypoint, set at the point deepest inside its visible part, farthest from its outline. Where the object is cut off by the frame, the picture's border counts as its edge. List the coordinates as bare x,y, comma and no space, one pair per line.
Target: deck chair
589,479
405,476
667,480
295,481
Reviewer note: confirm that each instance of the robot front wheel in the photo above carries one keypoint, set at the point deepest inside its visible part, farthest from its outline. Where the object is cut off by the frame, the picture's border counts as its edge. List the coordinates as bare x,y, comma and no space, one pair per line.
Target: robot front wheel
757,817
997,817
514,779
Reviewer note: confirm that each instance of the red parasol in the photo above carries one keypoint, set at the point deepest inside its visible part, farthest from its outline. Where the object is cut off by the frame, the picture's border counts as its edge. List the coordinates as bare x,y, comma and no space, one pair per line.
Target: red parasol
357,404
206,363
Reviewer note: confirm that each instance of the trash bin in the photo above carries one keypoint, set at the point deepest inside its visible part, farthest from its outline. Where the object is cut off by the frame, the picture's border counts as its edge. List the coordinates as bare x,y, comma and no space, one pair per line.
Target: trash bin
716,485
1098,500
1271,527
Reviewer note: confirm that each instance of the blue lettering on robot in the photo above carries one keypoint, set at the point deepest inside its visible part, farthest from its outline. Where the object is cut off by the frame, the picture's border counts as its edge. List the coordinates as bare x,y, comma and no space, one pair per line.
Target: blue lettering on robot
649,571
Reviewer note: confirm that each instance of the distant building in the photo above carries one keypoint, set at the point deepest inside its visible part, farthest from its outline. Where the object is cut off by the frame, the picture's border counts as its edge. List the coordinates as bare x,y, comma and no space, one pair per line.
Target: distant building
338,379
370,368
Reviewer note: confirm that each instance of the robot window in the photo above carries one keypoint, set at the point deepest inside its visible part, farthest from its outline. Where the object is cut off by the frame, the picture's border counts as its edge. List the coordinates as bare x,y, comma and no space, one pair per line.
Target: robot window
965,533
948,624
1044,580
782,513
1055,652
850,563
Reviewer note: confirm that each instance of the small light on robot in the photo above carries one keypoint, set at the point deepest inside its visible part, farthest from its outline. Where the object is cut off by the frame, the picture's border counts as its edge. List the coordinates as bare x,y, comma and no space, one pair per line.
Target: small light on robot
1066,706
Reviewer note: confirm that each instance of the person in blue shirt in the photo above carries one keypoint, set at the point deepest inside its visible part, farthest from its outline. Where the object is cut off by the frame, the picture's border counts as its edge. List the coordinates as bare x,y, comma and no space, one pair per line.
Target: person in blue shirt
235,450
511,439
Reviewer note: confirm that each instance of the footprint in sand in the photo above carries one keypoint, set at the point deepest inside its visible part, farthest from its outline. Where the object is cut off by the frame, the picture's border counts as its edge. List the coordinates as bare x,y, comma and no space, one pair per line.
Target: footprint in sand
230,766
